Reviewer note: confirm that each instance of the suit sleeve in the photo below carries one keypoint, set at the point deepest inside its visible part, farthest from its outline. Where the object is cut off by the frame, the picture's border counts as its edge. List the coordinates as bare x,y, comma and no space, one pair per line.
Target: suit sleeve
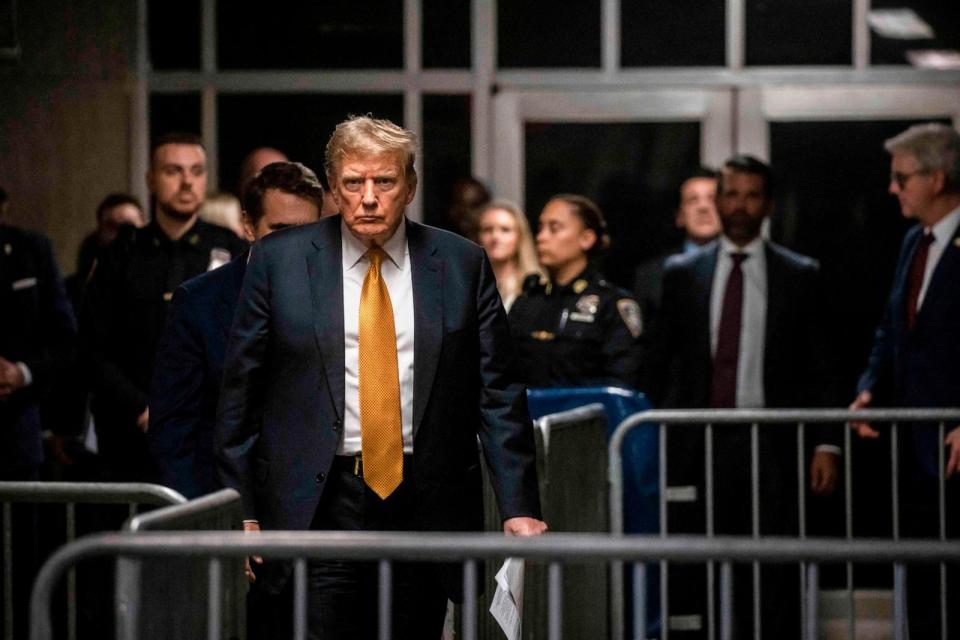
176,397
506,431
239,415
660,340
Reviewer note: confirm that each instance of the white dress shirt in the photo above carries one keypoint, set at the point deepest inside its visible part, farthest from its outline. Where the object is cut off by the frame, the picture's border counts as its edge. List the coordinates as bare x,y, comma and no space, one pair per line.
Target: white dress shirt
942,236
753,318
397,275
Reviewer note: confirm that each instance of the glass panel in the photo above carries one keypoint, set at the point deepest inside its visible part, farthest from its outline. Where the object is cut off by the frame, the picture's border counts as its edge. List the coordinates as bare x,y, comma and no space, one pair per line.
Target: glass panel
632,170
446,34
807,32
672,34
360,34
299,125
445,151
174,112
541,33
889,44
173,29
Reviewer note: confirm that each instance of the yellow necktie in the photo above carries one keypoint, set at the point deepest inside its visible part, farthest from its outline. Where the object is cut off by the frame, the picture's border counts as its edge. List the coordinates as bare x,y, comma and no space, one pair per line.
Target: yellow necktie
380,427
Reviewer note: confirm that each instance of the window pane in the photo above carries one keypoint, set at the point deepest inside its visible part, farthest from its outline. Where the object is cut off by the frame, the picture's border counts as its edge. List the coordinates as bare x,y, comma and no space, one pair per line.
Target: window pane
446,34
445,153
360,34
298,125
173,28
672,34
803,32
174,112
540,33
943,18
632,171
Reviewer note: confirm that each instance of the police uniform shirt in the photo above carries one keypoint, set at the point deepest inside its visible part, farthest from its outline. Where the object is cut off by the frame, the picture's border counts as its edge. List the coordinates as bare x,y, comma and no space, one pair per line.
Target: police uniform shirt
580,334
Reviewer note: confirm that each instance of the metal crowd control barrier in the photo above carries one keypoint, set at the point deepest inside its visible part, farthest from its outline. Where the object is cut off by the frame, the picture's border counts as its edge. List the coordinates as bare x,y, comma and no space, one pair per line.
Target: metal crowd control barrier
554,549
711,419
149,589
70,494
571,465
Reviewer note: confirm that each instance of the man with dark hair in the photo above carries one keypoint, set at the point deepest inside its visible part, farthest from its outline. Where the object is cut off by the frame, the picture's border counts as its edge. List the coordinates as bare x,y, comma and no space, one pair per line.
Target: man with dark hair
113,213
915,361
125,305
697,216
189,367
739,328
253,162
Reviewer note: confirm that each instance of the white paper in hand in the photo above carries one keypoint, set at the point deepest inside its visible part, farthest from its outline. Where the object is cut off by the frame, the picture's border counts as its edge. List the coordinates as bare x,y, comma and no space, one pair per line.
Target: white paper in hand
507,605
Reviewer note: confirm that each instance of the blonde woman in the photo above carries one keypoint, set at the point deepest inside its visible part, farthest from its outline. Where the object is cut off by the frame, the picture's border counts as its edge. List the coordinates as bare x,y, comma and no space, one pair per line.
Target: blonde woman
505,235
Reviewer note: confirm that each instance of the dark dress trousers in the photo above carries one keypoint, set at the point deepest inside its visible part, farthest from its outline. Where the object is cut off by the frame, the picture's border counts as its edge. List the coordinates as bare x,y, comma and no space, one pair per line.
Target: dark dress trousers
920,367
187,376
37,328
678,372
282,403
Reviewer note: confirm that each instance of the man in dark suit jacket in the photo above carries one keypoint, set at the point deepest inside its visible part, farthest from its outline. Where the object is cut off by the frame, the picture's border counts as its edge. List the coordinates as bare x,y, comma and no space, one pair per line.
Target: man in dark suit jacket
915,361
296,434
37,342
739,327
189,367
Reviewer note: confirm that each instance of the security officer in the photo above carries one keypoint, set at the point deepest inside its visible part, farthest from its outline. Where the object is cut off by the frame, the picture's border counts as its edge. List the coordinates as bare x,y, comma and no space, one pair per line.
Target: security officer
124,311
574,329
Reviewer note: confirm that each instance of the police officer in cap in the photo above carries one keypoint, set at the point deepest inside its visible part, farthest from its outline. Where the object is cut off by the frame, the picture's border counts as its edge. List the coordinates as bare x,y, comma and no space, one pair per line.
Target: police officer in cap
574,329
125,307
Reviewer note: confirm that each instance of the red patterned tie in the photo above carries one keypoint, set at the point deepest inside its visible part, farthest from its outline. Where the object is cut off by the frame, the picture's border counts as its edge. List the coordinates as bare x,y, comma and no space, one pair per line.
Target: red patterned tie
915,282
723,388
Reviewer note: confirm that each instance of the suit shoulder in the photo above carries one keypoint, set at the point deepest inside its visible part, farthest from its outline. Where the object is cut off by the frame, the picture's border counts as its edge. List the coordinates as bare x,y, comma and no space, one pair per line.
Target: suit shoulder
447,243
680,262
793,259
210,282
289,238
25,237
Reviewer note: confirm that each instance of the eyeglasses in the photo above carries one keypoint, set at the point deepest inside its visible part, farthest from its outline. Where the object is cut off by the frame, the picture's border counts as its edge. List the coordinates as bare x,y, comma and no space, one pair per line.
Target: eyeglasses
902,178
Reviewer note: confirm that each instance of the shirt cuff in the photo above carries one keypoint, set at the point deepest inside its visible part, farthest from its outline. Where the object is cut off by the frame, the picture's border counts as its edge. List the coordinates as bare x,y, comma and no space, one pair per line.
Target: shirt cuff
829,448
27,376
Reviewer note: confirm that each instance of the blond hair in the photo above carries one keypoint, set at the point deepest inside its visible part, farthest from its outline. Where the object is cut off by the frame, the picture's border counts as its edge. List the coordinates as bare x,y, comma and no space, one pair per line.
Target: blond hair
223,210
368,136
525,259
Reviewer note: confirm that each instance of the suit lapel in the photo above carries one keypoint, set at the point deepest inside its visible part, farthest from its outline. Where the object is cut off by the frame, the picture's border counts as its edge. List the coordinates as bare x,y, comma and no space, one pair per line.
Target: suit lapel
704,268
901,280
325,272
427,278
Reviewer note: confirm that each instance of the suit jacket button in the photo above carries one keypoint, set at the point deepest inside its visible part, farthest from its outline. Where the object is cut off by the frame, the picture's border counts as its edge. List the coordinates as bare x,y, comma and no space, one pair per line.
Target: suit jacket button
336,425
321,477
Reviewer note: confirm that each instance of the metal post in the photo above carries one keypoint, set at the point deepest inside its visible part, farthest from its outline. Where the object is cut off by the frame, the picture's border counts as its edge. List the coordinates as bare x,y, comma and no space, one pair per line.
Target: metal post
7,572
802,510
899,601
555,601
812,593
709,507
300,599
71,576
470,599
385,594
848,524
726,601
942,500
639,600
755,525
214,599
664,573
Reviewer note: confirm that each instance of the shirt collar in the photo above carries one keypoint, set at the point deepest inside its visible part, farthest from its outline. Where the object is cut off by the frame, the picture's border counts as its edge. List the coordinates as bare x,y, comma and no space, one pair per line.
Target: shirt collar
753,248
395,247
946,227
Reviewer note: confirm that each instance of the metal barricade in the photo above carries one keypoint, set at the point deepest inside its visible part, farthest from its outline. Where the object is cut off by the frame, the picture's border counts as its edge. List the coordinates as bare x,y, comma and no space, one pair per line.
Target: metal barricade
556,550
70,494
713,419
175,584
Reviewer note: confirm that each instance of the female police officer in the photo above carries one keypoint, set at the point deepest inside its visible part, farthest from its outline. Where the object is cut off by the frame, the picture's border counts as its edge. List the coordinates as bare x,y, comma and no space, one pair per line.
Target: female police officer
574,329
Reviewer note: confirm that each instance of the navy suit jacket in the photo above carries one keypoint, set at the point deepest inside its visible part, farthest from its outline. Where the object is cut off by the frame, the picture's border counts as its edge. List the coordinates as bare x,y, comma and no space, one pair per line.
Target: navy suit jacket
37,327
186,380
919,368
795,371
282,404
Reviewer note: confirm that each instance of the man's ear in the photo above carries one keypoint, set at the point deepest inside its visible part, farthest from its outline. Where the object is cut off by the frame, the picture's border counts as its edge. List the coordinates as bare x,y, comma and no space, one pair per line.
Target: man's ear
249,232
411,189
939,180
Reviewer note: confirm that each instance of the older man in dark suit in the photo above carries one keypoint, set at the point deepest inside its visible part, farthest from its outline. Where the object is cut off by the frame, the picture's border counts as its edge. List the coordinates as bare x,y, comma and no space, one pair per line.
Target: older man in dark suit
189,367
739,328
367,355
915,360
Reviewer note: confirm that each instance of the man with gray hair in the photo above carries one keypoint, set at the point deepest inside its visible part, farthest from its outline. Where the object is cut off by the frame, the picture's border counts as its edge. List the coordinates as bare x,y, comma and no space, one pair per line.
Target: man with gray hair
367,354
915,360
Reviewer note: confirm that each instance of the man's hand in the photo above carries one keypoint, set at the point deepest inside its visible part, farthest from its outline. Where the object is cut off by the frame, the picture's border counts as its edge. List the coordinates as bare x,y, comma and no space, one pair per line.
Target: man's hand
953,451
251,527
11,378
863,429
143,420
823,473
523,526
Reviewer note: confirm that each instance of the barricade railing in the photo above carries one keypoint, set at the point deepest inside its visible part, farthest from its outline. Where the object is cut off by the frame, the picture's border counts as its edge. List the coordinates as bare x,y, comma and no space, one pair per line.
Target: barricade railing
556,550
69,494
714,419
148,589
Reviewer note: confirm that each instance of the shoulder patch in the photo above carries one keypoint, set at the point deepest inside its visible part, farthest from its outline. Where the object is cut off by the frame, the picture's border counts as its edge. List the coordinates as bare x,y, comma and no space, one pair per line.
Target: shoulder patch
631,316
